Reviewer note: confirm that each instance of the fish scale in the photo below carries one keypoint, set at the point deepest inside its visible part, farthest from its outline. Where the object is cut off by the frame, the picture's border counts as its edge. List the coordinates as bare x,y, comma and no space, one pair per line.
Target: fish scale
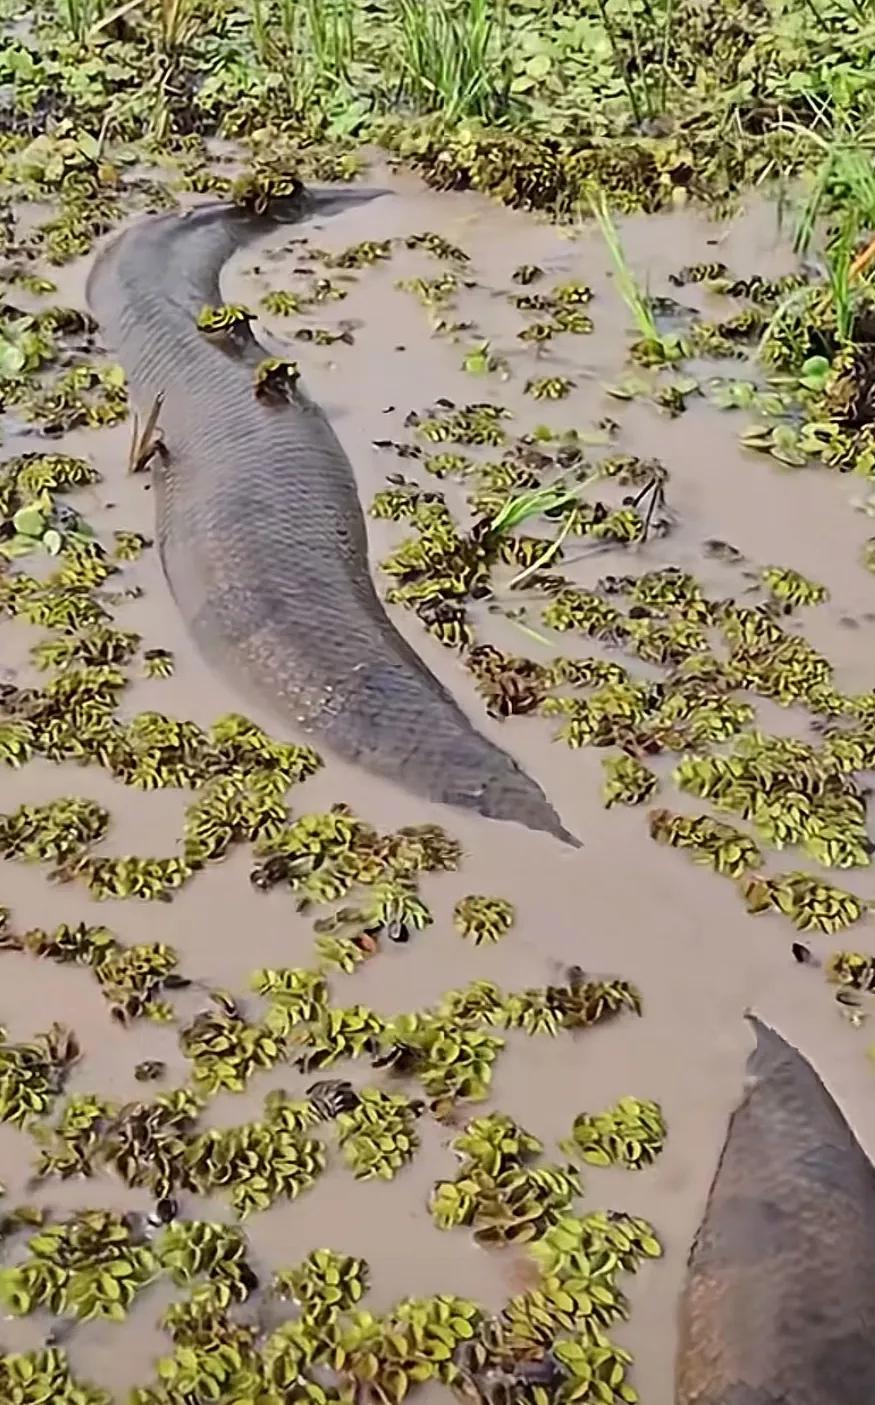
262,536
779,1304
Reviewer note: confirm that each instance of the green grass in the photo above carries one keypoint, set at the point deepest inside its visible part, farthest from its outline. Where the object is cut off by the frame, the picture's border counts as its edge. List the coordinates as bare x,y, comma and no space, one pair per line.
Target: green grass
330,35
628,287
452,56
842,290
630,96
838,211
78,17
522,507
843,180
646,83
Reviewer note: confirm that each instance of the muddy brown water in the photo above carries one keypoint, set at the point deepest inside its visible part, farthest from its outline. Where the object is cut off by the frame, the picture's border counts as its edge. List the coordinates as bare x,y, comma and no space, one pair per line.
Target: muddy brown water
622,905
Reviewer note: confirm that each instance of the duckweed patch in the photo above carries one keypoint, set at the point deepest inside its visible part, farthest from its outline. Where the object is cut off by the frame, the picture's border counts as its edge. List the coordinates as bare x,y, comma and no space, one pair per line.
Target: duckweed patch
378,1136
444,1338
132,979
483,919
89,1267
630,1134
33,1074
810,904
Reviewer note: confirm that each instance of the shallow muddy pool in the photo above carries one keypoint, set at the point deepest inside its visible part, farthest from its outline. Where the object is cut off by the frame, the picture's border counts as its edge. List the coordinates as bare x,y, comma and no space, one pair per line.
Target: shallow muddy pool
621,906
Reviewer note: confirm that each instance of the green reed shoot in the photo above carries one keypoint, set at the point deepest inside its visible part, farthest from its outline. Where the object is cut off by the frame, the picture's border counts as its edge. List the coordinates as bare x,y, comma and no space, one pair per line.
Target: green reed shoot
518,509
550,550
260,32
78,17
453,56
841,296
839,259
312,46
629,289
330,37
630,58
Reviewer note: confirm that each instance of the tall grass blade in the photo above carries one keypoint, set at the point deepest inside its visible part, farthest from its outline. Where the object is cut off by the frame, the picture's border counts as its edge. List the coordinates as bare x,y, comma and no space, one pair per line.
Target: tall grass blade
839,261
453,56
620,60
523,506
630,291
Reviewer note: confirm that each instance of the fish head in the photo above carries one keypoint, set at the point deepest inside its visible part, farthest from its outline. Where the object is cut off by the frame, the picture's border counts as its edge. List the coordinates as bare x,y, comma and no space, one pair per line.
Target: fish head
305,202
509,794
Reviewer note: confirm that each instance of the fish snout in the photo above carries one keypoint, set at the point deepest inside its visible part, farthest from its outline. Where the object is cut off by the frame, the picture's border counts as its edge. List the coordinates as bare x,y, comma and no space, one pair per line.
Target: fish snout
331,200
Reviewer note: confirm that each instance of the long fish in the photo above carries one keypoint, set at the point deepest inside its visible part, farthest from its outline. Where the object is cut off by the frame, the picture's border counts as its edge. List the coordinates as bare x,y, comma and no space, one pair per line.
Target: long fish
779,1303
261,532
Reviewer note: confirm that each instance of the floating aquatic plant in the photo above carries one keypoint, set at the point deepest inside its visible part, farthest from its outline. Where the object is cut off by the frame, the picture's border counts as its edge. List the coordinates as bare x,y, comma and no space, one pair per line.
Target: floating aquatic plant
158,663
791,794
257,1162
132,979
29,1378
378,1136
282,303
90,1266
709,841
481,1002
482,919
152,879
54,832
851,968
325,1283
549,387
345,953
275,379
474,424
810,904
227,319
632,1133
296,997
225,1050
579,1003
197,1250
627,781
792,588
338,1034
32,1074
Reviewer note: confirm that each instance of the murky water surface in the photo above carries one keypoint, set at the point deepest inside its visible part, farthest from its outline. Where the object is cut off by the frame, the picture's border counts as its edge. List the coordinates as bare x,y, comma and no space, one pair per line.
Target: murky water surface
622,905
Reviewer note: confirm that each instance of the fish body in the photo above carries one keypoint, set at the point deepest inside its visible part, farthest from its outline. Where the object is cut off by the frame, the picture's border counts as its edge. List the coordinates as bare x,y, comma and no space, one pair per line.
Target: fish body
779,1303
262,536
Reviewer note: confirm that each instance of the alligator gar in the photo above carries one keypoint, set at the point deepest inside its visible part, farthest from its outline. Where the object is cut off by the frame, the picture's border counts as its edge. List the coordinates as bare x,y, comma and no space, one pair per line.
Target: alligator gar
779,1304
261,533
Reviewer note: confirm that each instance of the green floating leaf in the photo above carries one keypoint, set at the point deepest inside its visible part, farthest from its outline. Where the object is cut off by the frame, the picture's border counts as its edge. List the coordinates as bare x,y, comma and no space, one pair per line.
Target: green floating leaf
29,521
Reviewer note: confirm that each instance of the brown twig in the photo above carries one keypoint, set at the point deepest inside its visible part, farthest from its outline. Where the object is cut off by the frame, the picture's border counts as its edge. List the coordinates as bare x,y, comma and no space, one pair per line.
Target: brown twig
862,260
147,443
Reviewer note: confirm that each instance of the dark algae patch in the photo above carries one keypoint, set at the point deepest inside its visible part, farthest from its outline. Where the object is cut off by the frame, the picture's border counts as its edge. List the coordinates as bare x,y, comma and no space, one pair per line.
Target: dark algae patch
308,1088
